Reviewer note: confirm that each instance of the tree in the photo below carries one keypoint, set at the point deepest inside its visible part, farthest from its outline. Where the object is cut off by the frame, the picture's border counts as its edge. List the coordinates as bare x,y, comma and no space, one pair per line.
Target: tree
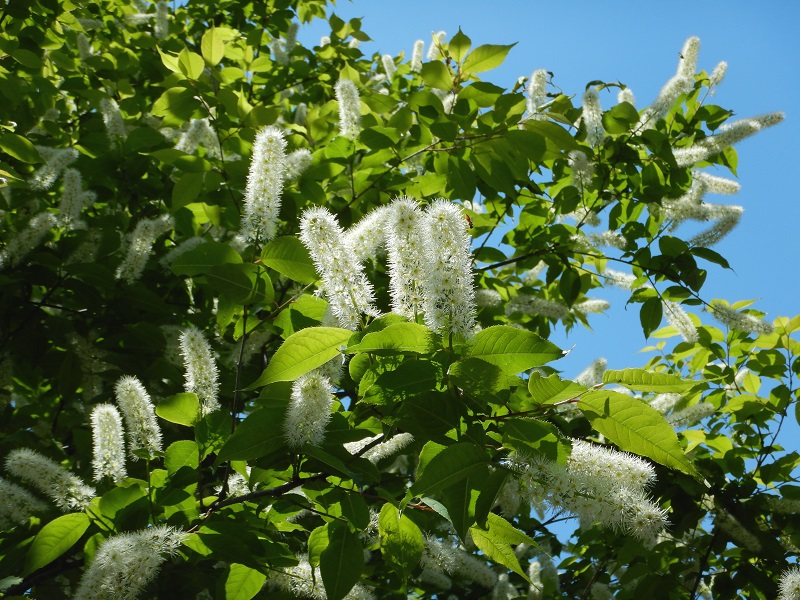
248,290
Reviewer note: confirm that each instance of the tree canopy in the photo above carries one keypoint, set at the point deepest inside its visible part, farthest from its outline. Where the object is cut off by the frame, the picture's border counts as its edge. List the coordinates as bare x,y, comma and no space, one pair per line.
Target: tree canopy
276,320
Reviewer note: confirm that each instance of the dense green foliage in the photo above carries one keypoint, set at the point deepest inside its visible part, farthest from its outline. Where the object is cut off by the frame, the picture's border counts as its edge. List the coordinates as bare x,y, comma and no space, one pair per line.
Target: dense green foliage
74,319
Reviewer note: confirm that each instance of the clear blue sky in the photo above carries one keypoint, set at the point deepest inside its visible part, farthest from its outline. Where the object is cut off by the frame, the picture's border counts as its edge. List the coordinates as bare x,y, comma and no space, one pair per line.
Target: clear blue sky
637,43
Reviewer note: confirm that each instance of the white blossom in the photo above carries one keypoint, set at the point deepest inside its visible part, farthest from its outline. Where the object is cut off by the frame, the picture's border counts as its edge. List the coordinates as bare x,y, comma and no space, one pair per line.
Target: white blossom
262,200
680,320
140,247
691,415
388,66
537,93
435,49
19,245
737,320
108,443
309,410
349,108
140,417
297,162
161,27
592,118
112,119
55,161
366,238
416,56
66,490
789,584
202,375
593,374
17,505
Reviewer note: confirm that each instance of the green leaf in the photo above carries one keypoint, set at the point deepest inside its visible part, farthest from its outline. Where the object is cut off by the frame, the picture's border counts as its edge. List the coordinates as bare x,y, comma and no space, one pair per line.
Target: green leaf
648,381
398,337
485,58
458,46
236,281
169,60
261,433
190,64
186,190
288,256
19,147
201,259
552,389
650,315
302,352
55,539
183,453
490,490
495,542
411,377
621,118
341,562
513,350
27,58
176,105
183,409
436,75
318,540
243,583
212,47
634,426
525,435
401,541
460,499
480,380
447,467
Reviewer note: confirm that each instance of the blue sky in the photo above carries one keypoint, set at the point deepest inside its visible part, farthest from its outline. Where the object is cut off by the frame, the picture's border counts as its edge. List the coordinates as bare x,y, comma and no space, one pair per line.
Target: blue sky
637,43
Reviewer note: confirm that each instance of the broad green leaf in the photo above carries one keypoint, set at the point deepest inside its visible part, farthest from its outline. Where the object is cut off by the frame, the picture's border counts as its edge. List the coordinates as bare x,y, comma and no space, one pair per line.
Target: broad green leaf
448,467
201,259
648,381
19,147
485,58
27,58
490,490
480,380
398,337
169,60
621,118
318,540
411,377
55,539
525,435
243,583
176,105
458,46
288,256
261,433
552,389
183,453
183,409
436,75
553,133
650,315
212,47
341,562
186,190
459,499
401,541
496,539
635,427
513,350
118,498
302,352
236,281
190,64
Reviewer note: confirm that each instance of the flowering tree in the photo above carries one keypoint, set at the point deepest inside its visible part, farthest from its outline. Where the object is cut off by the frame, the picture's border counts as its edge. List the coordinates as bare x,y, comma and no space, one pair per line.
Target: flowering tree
255,293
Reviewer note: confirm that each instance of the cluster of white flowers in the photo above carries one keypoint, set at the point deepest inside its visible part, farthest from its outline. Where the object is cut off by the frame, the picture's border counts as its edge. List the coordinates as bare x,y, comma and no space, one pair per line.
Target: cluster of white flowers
17,505
303,581
202,375
691,415
140,246
441,559
736,320
108,443
731,525
297,162
626,95
197,132
309,410
487,298
664,403
73,199
406,255
126,562
598,485
182,248
140,417
728,136
537,94
435,49
416,56
680,320
388,66
383,450
367,237
112,119
591,305
66,490
593,374
344,283
262,202
789,584
625,281
582,169
533,305
55,161
161,26
85,49
23,242
349,108
592,118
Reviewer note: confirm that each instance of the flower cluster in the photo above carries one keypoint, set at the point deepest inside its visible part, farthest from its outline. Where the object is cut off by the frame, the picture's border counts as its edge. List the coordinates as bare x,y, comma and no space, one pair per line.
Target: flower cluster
537,93
680,320
21,244
140,247
789,584
349,108
309,410
202,375
55,161
592,118
140,417
108,443
416,56
17,505
66,490
73,199
344,283
126,562
736,320
406,254
305,581
112,119
262,202
367,237
441,559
